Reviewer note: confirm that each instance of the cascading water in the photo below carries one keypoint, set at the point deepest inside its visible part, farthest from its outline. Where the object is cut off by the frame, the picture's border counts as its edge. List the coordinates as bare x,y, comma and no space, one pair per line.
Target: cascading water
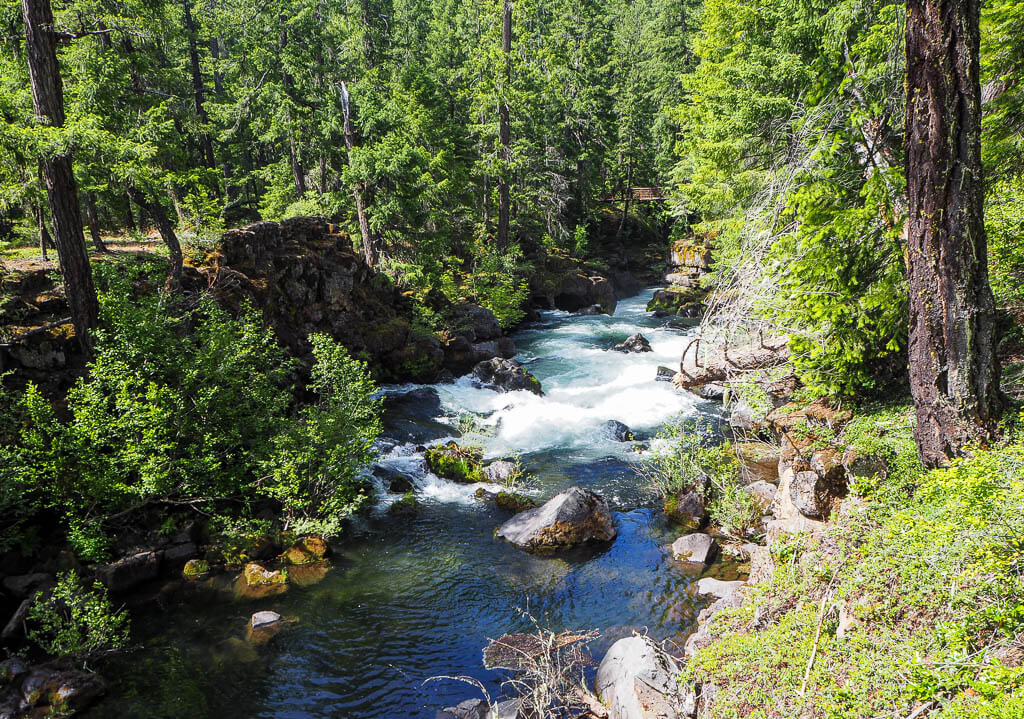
414,598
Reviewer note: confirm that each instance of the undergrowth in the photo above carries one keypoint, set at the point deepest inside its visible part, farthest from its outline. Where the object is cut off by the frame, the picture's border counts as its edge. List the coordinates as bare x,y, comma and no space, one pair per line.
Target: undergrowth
913,602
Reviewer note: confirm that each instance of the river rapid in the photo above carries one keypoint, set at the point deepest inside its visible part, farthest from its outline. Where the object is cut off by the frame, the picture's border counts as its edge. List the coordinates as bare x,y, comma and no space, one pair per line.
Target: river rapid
413,598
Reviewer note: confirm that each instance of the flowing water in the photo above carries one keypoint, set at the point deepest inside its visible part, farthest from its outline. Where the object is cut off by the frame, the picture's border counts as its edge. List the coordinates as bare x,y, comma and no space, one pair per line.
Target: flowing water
413,598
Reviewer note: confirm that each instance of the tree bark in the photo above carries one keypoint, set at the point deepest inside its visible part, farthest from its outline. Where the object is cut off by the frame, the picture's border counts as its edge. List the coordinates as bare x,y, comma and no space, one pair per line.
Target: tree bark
156,210
954,372
61,191
94,222
45,241
504,131
369,242
298,172
198,94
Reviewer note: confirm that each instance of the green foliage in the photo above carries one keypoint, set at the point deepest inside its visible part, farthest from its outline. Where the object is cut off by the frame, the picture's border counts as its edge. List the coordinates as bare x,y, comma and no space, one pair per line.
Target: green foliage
459,464
926,585
76,621
498,281
314,467
686,456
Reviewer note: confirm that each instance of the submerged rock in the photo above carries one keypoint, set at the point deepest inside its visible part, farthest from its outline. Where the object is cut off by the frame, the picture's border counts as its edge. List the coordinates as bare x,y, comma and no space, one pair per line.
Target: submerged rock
512,502
396,482
453,462
637,679
469,709
407,506
47,691
695,548
589,311
505,375
570,518
634,343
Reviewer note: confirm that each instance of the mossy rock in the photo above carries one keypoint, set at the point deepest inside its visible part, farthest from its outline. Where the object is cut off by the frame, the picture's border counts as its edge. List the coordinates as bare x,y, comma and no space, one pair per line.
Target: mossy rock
407,506
306,550
683,301
455,463
195,568
512,502
258,576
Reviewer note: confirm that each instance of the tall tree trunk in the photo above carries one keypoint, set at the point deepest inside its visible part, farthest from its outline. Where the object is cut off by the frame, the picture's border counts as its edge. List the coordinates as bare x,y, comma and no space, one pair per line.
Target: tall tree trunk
61,191
369,242
298,173
45,241
954,373
198,94
94,222
155,209
504,132
627,194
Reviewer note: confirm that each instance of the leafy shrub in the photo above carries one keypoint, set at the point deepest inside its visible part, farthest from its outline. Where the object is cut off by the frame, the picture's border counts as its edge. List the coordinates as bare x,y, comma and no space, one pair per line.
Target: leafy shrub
498,282
314,467
926,584
686,456
76,621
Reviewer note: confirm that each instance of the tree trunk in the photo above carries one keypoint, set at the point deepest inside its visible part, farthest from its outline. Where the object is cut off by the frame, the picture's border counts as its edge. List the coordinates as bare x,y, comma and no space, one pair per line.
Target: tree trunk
504,132
954,373
45,241
298,173
94,222
155,209
627,195
198,94
61,191
369,242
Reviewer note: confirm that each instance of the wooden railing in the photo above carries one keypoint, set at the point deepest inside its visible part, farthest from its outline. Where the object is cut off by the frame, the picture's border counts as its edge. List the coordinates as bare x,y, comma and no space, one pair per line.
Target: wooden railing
638,194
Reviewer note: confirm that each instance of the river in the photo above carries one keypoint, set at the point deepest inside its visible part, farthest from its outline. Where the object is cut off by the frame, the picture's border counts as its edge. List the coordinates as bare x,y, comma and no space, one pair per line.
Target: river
413,598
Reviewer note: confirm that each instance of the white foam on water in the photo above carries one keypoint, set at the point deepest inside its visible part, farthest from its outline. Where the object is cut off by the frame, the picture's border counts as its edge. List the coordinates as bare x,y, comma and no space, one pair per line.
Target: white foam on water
585,384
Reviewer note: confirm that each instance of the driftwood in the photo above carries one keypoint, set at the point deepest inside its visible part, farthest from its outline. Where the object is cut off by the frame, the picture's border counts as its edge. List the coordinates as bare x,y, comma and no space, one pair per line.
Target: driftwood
725,362
36,331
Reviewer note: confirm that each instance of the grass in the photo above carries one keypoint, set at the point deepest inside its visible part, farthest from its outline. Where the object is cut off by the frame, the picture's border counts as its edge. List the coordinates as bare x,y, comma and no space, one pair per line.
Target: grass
919,596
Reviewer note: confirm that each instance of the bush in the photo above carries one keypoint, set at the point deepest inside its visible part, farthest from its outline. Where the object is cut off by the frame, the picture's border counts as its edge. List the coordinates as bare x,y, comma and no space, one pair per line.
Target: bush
686,456
927,585
77,621
314,467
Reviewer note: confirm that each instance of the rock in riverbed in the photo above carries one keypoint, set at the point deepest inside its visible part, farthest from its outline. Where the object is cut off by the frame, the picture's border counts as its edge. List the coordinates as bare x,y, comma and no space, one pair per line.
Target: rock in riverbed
637,680
695,548
505,375
634,343
571,518
618,431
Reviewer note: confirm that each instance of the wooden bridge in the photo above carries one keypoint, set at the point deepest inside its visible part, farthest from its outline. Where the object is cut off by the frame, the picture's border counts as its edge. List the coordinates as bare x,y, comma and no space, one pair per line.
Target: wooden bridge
638,194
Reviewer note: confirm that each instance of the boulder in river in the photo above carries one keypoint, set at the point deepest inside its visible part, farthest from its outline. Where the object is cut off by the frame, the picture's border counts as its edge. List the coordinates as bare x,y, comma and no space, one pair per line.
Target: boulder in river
695,548
502,471
664,374
48,691
686,509
396,481
589,311
505,375
618,431
469,709
569,519
256,575
129,572
634,343
306,550
637,679
453,462
412,416
477,323
717,587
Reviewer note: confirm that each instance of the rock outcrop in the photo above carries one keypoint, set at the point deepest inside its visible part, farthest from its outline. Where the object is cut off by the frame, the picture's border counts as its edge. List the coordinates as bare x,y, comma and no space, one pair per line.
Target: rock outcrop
695,548
571,518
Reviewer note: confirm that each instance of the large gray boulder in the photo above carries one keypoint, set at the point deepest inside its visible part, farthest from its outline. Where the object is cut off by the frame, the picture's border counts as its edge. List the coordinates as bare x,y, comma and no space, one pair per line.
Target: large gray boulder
695,548
812,494
477,323
131,571
505,375
637,680
717,587
571,518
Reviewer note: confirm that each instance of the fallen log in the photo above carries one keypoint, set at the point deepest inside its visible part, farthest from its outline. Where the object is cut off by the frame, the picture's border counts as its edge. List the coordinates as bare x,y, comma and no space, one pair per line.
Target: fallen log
724,362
